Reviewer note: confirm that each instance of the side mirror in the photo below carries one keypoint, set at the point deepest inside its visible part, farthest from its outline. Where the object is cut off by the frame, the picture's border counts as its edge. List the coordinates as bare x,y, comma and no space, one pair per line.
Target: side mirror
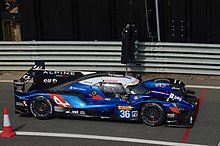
127,97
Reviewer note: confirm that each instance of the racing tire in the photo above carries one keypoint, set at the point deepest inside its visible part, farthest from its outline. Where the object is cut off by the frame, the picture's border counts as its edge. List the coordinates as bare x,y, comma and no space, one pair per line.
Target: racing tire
41,108
152,114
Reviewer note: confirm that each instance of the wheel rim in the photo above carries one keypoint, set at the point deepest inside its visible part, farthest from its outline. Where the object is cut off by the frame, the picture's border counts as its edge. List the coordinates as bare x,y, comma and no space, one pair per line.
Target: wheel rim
151,115
41,107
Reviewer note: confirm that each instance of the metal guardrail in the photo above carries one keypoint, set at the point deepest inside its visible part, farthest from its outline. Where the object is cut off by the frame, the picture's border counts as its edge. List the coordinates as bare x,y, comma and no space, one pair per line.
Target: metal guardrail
157,57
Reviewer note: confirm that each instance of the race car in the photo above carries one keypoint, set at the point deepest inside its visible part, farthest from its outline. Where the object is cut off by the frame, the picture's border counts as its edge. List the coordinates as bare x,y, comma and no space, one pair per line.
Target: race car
160,101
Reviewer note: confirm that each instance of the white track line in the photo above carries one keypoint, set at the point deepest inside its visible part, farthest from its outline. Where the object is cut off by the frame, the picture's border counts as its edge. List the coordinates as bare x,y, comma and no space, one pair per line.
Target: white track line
6,81
206,87
109,138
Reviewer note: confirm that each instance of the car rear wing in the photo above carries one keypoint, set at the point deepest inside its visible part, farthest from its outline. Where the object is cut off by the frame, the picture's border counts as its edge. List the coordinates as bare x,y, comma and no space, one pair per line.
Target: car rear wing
43,78
19,85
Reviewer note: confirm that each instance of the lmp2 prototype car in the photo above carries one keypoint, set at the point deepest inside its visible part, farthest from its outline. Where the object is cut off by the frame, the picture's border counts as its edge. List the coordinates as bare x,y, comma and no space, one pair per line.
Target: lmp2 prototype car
161,101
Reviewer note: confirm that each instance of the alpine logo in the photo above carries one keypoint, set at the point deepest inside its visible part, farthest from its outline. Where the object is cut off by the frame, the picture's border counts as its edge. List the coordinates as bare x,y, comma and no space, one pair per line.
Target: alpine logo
68,73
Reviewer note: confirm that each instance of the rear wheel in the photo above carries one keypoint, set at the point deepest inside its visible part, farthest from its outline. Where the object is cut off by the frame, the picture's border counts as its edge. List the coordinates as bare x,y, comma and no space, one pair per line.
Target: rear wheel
41,107
152,114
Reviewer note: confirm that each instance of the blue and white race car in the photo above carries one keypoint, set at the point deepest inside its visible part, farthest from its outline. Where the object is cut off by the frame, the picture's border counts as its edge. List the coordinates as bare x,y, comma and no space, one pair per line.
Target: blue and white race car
161,101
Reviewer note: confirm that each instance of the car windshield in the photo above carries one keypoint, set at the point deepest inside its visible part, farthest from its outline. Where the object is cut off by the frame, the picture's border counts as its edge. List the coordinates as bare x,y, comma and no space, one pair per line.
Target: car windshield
137,89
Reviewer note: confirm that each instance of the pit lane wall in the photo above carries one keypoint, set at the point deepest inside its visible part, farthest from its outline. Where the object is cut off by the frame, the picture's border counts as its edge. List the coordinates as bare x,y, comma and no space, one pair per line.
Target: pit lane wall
158,57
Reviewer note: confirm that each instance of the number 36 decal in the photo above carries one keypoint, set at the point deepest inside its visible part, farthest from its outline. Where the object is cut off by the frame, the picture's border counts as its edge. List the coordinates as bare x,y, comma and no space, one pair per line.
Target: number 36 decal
127,114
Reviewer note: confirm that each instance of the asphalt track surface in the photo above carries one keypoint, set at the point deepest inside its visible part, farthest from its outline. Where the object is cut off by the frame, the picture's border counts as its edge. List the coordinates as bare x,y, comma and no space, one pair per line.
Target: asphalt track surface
75,131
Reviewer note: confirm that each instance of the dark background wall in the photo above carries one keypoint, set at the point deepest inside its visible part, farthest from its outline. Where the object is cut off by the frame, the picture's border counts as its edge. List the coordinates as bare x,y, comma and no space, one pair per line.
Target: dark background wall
80,19
103,20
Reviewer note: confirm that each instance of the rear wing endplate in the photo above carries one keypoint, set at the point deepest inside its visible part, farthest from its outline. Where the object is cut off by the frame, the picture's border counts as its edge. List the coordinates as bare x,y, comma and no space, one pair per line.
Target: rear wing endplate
19,85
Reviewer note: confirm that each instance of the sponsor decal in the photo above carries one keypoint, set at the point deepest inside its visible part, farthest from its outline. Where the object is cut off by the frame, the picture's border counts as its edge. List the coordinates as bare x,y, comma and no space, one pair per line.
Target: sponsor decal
124,107
160,85
111,81
72,112
115,75
60,101
128,77
134,114
177,82
166,104
25,103
170,115
160,92
174,97
19,104
82,112
59,73
26,77
59,109
19,88
18,82
76,88
136,98
54,81
108,99
182,109
185,102
75,112
36,67
175,88
135,81
96,97
191,120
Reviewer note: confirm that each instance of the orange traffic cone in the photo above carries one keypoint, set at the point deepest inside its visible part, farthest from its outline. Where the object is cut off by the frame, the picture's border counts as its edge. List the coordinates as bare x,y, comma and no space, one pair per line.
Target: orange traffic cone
7,129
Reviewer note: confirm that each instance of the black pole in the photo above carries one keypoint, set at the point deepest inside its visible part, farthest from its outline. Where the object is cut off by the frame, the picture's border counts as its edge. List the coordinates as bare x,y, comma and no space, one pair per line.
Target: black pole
1,10
131,11
149,37
37,12
157,20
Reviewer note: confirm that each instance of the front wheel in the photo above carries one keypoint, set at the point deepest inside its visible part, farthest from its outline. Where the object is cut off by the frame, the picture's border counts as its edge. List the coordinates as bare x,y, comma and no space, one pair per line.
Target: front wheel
41,107
152,114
